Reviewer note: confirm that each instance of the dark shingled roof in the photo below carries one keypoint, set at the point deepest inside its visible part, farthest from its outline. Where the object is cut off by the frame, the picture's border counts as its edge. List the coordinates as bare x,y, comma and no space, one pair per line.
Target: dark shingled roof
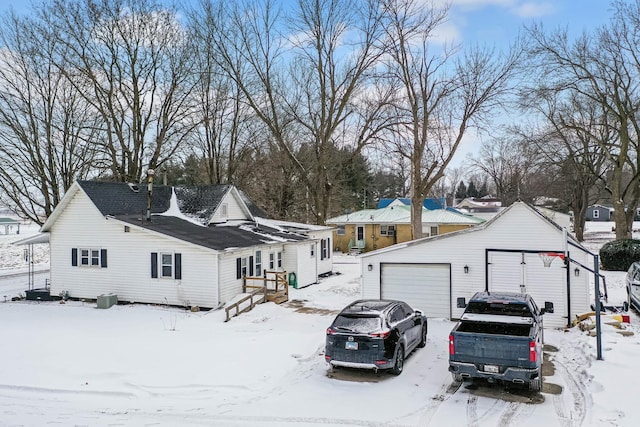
128,203
198,202
218,238
118,198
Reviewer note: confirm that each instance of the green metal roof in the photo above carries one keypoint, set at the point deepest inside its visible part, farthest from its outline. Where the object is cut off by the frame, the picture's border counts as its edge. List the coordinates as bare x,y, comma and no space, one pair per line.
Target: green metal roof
8,221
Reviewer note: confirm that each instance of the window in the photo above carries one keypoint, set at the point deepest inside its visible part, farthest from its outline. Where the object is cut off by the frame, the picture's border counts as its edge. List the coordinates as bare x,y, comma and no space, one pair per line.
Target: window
244,267
272,261
387,230
325,245
258,263
434,230
84,257
224,210
341,230
170,265
279,260
127,229
89,257
596,213
167,265
313,250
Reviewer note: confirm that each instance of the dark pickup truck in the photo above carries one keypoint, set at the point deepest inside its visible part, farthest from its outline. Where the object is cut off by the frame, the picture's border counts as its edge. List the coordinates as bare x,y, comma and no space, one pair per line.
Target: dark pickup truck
499,338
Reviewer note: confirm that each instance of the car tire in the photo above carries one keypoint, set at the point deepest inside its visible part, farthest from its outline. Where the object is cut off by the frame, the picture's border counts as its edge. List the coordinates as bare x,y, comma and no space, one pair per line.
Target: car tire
398,366
423,336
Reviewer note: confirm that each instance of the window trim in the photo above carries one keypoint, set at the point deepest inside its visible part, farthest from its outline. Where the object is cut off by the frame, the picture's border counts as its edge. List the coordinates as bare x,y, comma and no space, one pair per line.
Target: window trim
89,257
388,230
258,263
158,265
341,230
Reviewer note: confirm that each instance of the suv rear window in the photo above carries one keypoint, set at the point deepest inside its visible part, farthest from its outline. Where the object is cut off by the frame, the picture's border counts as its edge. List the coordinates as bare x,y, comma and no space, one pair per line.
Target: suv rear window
364,324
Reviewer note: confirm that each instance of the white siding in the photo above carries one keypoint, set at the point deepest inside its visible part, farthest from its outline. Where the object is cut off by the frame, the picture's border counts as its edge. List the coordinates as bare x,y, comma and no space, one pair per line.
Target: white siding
298,260
323,265
128,272
234,209
519,228
230,285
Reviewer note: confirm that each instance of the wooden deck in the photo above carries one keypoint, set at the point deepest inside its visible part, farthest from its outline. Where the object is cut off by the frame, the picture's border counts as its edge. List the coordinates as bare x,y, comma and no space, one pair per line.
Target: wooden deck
272,287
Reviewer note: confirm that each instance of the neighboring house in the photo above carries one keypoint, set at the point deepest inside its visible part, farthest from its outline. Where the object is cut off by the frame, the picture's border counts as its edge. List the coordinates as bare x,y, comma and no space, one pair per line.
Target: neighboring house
484,207
439,203
193,249
9,224
502,254
372,229
599,213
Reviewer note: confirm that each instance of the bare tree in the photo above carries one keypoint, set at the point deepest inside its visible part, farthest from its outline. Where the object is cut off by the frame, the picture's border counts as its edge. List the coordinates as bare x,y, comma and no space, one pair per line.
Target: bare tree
45,125
604,67
312,99
130,60
227,133
442,93
570,140
510,162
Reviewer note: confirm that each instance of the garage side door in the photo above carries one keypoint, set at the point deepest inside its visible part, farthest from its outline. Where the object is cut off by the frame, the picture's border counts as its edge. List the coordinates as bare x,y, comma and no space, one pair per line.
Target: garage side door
425,287
525,272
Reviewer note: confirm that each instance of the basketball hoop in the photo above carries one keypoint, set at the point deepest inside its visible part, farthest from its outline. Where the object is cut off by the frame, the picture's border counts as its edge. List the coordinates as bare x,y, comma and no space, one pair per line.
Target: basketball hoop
548,257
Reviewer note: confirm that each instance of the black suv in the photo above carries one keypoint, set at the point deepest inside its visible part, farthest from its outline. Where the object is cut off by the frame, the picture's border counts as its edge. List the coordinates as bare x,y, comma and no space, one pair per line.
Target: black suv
375,334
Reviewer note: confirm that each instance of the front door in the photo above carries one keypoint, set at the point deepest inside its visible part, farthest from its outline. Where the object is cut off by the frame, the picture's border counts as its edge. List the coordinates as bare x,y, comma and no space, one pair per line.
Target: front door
360,236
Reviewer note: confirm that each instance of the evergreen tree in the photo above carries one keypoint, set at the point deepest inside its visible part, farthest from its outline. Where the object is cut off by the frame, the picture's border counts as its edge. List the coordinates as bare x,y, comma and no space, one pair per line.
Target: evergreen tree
461,192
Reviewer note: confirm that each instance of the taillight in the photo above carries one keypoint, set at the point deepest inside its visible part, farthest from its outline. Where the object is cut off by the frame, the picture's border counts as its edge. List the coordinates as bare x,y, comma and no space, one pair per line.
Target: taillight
382,335
330,331
452,348
533,354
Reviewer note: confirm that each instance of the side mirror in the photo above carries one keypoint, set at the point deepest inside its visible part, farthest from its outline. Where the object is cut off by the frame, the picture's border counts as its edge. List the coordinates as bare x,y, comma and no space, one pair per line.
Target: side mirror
462,302
548,307
417,313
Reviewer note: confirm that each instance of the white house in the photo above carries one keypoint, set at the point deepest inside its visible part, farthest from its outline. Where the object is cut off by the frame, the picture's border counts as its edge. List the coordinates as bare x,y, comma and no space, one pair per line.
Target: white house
192,247
503,254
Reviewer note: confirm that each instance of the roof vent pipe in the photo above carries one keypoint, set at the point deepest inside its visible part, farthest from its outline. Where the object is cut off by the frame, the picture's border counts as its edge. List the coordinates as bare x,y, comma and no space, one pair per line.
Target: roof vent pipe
150,173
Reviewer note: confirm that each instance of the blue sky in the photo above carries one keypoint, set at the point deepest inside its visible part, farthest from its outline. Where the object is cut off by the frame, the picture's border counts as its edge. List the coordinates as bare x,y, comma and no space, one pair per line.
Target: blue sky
488,20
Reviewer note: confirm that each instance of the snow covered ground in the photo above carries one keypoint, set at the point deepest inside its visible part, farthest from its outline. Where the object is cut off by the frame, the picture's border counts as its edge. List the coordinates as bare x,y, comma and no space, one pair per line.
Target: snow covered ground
133,365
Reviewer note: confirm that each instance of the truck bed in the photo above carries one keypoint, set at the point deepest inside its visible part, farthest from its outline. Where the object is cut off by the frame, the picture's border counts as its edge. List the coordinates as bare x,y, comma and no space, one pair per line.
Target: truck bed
495,328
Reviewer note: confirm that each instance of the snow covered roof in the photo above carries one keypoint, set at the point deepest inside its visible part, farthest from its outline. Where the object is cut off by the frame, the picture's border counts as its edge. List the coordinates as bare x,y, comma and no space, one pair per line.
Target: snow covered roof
183,213
395,214
219,238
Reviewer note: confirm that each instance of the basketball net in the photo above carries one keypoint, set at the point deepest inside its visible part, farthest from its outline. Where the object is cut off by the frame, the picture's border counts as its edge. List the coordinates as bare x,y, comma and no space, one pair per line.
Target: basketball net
548,257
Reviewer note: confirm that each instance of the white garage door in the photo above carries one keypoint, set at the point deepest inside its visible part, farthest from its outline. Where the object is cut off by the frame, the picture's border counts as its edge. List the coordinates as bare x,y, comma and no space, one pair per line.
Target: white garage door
425,287
525,272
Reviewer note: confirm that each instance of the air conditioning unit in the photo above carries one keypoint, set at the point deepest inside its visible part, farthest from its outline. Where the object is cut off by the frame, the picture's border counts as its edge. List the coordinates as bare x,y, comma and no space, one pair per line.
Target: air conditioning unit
106,301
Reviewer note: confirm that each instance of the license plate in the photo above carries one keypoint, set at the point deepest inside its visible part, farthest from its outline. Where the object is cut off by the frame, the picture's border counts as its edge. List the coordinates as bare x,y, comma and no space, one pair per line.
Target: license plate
351,345
491,368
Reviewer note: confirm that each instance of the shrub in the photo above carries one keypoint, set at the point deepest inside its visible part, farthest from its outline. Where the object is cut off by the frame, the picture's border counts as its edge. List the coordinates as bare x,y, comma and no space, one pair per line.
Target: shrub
619,254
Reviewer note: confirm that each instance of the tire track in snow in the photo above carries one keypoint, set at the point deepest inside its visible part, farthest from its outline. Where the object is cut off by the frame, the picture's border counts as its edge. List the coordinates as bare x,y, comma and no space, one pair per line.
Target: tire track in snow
446,391
574,413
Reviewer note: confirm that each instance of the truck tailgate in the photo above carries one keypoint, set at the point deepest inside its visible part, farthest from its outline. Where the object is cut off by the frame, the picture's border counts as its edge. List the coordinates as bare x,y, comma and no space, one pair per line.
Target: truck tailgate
492,349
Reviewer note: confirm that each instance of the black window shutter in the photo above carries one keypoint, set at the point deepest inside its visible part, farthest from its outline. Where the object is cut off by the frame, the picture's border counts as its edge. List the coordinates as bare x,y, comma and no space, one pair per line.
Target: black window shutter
250,266
103,258
322,246
238,268
329,247
154,265
178,261
74,257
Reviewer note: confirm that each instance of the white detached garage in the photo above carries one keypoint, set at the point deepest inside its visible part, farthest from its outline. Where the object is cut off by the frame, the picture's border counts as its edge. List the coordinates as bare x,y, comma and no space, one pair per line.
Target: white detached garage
502,254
